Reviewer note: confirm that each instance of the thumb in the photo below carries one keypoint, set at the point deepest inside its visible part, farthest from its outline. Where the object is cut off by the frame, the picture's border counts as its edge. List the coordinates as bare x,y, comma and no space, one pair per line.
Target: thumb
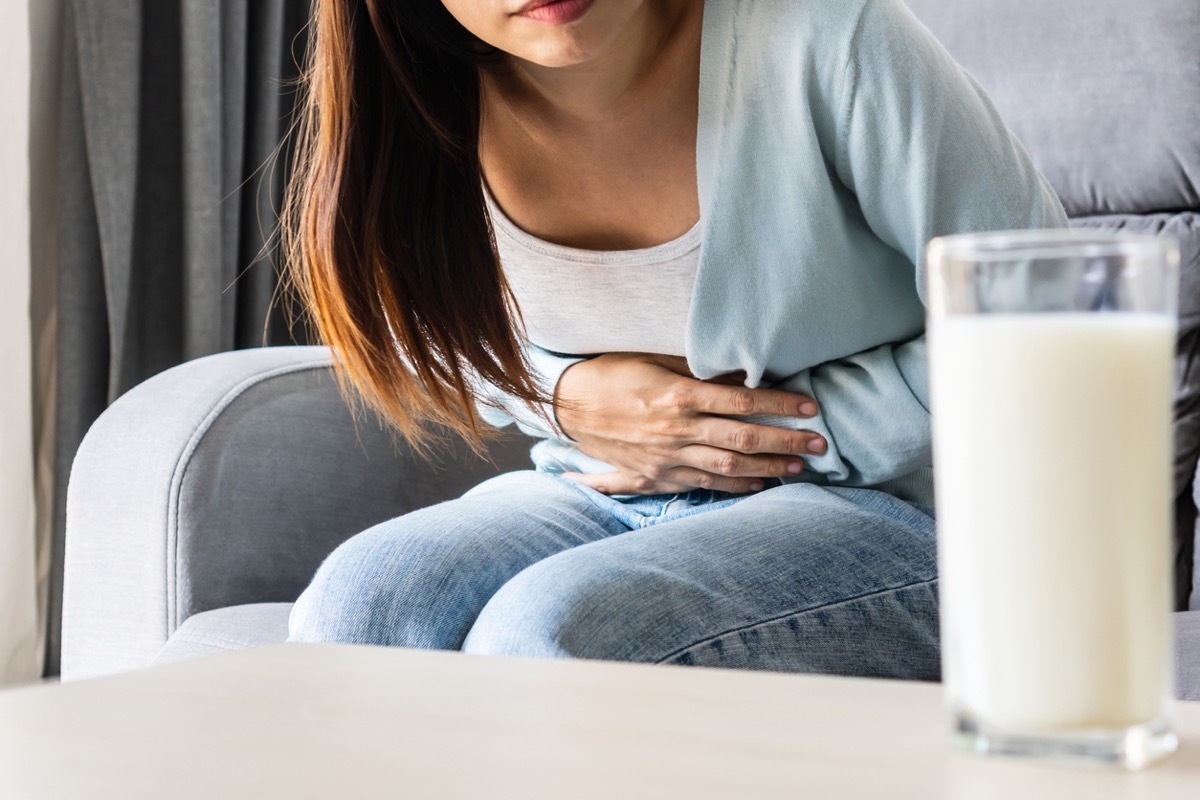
603,482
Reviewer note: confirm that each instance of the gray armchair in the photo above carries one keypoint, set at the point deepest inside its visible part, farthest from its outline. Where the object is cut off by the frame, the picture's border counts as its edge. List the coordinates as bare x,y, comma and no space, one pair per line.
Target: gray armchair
203,500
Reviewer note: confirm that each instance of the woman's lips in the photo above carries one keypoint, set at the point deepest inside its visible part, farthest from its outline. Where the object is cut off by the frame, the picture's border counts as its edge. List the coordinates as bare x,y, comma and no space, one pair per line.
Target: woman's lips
556,12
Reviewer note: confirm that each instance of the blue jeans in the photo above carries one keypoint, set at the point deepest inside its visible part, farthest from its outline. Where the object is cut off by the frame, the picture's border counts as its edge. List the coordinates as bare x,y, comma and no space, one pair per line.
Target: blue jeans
797,578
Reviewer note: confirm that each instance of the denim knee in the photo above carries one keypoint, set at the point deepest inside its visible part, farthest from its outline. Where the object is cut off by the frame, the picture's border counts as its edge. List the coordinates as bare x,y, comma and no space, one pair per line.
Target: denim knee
566,607
394,584
421,579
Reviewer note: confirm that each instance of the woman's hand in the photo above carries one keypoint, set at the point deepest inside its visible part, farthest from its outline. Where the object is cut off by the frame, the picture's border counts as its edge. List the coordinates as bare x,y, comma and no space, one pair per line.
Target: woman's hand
667,432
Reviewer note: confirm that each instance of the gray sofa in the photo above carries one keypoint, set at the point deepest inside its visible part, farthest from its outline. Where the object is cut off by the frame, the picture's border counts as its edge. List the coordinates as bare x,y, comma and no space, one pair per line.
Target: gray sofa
203,500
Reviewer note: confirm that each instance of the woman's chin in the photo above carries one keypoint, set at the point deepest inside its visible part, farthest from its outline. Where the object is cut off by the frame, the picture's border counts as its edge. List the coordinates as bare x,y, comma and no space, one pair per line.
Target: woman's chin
568,44
557,54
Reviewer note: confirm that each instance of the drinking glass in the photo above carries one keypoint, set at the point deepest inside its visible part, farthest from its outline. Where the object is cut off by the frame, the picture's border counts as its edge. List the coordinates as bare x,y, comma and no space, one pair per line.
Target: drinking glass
1051,376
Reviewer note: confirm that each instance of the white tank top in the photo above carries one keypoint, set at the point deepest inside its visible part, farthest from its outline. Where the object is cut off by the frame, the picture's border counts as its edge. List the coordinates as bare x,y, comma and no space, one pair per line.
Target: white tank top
582,302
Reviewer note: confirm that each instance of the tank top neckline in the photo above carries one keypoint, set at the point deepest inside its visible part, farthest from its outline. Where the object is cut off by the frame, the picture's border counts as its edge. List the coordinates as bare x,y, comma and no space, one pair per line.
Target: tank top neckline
656,254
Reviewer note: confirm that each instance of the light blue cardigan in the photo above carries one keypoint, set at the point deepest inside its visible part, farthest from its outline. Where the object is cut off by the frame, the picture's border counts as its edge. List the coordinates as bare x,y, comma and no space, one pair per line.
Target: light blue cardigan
835,138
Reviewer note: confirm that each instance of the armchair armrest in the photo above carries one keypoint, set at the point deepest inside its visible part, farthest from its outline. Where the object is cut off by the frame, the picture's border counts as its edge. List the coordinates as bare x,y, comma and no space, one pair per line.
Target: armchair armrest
226,481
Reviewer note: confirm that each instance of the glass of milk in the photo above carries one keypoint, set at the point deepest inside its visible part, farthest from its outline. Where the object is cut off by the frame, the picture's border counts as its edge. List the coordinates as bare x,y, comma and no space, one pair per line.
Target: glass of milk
1051,376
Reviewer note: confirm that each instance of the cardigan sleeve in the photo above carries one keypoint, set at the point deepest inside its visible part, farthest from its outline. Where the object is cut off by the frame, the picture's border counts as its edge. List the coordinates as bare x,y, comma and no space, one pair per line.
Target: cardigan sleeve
926,154
500,410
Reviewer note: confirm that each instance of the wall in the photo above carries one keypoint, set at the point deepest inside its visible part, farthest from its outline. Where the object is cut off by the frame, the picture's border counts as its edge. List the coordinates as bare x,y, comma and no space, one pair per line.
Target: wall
19,651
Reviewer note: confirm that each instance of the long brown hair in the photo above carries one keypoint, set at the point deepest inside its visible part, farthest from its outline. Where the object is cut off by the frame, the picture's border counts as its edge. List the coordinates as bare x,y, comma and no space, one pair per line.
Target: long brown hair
386,232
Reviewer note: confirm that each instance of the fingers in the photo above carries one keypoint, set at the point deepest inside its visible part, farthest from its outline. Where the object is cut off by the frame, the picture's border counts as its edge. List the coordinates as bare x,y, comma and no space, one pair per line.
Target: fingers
666,432
728,464
621,483
713,398
677,480
745,437
699,479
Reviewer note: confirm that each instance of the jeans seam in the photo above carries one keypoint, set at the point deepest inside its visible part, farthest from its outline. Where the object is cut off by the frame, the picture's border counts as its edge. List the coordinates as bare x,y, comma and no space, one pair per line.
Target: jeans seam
750,626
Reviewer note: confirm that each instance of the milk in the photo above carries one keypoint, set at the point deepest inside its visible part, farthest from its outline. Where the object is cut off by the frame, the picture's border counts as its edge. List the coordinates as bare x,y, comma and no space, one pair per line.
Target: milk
1052,455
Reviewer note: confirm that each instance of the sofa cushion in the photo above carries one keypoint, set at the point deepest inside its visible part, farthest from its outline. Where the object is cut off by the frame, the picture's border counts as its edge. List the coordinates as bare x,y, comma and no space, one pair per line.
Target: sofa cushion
1187,655
1185,227
226,629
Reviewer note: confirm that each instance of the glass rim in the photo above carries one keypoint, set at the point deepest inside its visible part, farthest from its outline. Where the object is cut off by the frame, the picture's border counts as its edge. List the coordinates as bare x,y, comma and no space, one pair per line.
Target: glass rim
1032,245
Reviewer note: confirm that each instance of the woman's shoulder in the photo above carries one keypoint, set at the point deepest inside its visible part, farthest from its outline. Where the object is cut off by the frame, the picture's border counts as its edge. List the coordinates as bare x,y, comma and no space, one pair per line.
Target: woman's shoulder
823,32
819,24
779,42
824,47
784,59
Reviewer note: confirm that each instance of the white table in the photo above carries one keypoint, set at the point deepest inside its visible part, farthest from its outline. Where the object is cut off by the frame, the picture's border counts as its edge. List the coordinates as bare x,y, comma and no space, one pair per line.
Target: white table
318,721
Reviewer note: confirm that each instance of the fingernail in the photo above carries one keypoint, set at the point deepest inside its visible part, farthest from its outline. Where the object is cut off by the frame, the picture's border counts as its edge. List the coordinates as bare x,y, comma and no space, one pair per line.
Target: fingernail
808,409
795,467
816,445
756,487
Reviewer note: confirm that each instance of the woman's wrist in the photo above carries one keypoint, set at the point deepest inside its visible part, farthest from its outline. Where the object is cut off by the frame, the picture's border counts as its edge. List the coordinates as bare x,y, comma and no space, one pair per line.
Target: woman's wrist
557,403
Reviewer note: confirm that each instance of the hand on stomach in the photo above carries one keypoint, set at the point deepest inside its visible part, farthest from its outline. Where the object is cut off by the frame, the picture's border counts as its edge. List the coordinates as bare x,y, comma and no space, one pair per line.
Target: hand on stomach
667,432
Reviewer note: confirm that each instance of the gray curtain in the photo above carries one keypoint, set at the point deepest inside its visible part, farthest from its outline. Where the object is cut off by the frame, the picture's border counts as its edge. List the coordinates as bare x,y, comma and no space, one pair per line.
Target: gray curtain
172,111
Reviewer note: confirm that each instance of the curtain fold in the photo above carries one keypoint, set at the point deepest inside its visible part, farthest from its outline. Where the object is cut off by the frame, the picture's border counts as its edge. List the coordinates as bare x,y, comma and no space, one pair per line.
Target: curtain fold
46,36
167,200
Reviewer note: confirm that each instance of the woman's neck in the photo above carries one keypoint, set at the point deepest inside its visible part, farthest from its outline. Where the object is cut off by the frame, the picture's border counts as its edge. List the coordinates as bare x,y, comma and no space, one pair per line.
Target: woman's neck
601,156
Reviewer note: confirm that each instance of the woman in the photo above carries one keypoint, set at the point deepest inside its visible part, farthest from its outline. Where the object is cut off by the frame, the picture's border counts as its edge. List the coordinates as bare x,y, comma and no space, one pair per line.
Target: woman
704,295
